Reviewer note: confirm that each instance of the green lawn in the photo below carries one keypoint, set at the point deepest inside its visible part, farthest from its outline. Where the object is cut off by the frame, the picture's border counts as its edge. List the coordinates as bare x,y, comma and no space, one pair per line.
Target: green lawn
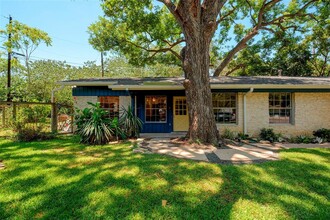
61,179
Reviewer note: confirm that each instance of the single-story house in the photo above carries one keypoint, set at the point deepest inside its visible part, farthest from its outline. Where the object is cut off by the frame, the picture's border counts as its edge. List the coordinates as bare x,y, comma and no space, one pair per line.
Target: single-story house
290,105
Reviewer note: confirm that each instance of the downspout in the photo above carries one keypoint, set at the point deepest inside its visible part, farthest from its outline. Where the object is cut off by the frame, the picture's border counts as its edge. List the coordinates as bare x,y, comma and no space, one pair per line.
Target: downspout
135,106
244,111
54,113
53,92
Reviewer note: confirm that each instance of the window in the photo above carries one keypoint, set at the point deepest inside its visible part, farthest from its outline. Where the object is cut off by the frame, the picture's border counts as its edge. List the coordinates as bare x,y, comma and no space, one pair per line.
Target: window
280,107
110,104
180,106
224,107
156,108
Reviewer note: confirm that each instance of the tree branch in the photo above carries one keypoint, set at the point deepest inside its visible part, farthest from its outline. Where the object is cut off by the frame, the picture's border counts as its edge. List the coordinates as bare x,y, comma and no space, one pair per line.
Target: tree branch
241,45
261,25
239,66
250,12
224,17
299,13
160,50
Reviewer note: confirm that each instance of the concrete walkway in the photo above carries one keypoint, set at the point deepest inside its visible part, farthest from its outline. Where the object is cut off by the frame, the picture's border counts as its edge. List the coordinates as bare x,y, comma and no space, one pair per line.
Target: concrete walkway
231,154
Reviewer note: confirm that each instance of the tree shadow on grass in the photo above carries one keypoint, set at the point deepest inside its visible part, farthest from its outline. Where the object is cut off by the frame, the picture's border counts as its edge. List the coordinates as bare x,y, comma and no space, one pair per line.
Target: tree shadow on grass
81,182
298,188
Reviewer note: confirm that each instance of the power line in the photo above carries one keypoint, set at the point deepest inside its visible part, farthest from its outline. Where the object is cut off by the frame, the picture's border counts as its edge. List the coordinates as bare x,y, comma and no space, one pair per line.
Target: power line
34,58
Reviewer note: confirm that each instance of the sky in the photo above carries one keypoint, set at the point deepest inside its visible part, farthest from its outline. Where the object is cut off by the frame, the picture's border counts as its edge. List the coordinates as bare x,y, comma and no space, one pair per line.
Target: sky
65,21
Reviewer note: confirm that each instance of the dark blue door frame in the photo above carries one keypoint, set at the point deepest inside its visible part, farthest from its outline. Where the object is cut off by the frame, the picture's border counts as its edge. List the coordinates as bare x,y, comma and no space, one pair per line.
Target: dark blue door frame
154,127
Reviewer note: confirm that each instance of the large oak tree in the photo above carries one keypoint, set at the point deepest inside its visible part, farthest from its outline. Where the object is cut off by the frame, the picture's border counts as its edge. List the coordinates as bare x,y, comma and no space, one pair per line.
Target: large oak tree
194,33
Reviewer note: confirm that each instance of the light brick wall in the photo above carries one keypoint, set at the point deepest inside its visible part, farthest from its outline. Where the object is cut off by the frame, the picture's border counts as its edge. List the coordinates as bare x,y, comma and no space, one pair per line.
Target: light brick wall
124,101
311,112
236,128
80,102
256,112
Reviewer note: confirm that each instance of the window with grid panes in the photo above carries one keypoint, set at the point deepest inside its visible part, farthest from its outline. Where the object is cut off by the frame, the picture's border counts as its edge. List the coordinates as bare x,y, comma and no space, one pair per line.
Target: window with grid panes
110,104
155,108
180,106
224,107
280,107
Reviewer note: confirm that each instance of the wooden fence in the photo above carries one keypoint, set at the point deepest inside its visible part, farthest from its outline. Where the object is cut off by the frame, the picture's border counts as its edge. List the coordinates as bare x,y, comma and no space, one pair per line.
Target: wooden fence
61,116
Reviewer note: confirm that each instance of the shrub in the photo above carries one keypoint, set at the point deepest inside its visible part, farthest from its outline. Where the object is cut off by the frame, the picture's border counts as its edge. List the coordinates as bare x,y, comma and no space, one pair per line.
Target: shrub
268,135
228,134
322,133
242,136
95,127
36,113
304,139
131,124
27,132
117,130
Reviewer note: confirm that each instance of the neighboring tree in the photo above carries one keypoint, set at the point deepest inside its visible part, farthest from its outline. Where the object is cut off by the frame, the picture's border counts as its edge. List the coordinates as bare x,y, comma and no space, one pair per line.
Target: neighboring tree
26,40
300,51
143,31
319,41
17,81
119,67
289,56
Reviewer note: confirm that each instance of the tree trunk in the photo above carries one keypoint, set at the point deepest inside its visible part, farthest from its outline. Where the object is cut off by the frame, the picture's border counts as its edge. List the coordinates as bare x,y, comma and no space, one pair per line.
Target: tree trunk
196,61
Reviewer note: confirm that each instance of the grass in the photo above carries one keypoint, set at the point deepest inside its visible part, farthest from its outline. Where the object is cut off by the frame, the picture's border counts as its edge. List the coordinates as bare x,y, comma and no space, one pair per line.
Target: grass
62,179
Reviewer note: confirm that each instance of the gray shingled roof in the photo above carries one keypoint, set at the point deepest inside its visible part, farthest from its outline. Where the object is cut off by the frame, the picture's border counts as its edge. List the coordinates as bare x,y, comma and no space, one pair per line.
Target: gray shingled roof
241,80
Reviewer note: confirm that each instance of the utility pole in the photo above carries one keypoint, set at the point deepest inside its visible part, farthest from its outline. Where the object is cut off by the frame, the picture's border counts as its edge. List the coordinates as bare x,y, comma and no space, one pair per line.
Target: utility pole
102,65
9,65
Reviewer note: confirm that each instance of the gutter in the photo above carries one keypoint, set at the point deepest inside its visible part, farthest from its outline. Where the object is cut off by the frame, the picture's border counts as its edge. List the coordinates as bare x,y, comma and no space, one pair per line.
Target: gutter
244,111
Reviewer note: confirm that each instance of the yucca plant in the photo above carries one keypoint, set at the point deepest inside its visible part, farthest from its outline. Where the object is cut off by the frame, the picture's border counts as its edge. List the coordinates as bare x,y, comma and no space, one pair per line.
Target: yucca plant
93,125
117,130
131,124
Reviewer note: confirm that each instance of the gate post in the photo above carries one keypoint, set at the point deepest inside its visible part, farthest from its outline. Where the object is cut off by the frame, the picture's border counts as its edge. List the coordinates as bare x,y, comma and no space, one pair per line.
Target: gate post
3,116
14,112
54,117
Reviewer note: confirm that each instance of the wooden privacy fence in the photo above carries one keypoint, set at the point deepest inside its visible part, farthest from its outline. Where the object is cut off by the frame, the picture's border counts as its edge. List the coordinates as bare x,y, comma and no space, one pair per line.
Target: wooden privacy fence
54,116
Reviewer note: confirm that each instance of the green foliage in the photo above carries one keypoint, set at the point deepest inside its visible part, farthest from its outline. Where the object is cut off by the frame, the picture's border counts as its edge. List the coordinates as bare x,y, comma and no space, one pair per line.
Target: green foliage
44,75
300,51
242,136
35,113
322,133
129,26
144,31
24,38
28,132
268,135
228,134
94,126
132,124
117,128
303,139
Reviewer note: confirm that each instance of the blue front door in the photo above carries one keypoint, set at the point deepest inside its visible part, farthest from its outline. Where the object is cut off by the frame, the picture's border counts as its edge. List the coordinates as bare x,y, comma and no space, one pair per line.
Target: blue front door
156,113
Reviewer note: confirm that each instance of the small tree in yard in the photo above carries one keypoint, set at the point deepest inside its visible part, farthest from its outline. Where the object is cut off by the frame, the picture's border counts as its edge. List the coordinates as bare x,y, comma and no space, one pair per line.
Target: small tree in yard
192,34
26,39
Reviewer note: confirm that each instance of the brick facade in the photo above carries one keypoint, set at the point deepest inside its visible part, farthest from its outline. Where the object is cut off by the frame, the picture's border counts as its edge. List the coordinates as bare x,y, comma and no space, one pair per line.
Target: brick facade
311,111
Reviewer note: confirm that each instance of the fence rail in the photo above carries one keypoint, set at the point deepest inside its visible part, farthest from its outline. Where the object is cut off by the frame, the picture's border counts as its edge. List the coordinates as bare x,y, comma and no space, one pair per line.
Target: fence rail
56,116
